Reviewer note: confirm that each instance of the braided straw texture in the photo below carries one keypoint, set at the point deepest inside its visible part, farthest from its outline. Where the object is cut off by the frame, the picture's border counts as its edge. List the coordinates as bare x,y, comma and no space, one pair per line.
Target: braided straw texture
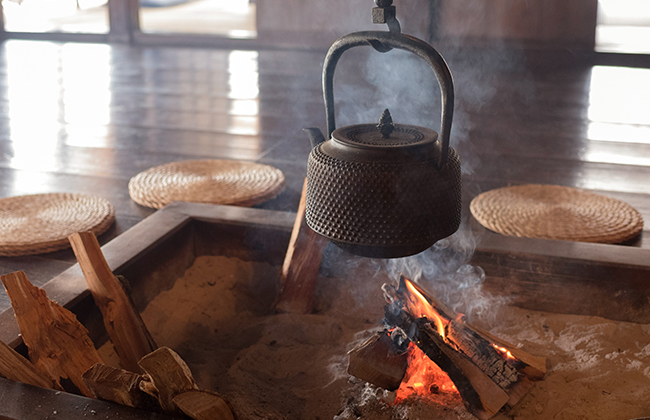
40,223
556,212
206,181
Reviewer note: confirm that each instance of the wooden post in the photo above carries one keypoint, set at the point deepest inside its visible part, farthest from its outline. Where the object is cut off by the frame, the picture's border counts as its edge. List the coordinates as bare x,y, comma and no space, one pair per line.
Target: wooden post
301,264
15,367
123,323
57,342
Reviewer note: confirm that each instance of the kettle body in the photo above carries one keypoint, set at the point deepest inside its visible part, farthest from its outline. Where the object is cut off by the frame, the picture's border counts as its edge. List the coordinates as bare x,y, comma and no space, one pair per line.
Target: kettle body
385,190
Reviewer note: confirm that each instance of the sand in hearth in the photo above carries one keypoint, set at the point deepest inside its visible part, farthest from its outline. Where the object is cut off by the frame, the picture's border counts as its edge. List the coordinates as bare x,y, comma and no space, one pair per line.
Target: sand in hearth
219,318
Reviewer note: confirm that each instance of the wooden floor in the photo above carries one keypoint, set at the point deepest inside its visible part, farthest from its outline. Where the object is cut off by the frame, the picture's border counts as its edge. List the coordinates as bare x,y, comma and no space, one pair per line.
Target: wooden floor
85,118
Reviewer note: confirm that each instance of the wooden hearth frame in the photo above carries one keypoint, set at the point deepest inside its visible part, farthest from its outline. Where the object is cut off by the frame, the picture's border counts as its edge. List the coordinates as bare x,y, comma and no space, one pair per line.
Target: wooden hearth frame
612,281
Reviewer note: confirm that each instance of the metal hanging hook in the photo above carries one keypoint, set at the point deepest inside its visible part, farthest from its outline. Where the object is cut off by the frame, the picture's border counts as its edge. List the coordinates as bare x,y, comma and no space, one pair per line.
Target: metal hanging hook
385,12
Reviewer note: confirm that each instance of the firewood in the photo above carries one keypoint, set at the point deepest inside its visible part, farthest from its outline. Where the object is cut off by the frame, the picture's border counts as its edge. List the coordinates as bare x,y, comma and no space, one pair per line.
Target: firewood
119,386
535,368
301,264
147,386
518,390
482,397
170,375
57,342
378,361
15,367
204,405
122,320
488,373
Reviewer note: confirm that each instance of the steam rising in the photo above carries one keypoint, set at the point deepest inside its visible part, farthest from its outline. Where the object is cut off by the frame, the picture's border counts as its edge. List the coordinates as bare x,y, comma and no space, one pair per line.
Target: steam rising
367,82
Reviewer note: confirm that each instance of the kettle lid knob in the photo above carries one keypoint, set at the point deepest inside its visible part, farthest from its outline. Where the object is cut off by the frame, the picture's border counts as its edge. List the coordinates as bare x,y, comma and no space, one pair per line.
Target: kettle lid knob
385,125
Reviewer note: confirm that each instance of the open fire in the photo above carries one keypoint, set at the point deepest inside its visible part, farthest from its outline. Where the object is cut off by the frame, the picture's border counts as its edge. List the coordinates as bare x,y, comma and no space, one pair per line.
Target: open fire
428,349
423,378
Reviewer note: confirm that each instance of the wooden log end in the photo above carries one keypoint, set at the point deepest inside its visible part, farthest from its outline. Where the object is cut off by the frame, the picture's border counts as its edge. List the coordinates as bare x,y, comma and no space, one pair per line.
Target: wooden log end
204,405
119,386
169,374
378,361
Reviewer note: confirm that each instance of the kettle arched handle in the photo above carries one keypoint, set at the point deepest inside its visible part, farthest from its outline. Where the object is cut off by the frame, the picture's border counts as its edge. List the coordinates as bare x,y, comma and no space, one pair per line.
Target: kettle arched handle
383,42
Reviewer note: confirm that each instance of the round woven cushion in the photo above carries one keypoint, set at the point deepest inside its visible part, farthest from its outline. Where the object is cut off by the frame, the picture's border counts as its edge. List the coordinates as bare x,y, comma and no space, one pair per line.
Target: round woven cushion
556,212
35,224
206,181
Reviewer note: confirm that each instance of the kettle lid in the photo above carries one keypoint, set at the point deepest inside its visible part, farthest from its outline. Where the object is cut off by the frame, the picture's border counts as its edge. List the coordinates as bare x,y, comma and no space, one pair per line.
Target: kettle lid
385,134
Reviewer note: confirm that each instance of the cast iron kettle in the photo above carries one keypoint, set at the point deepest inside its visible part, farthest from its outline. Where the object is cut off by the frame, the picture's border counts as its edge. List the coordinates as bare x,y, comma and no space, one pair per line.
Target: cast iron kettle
384,190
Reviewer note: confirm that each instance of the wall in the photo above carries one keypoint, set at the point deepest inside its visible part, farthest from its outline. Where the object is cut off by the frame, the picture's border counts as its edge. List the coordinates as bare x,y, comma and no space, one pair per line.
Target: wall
319,22
553,23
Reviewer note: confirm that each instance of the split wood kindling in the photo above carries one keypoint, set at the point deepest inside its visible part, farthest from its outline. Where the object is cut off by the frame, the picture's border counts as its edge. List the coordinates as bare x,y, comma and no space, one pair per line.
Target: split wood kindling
59,348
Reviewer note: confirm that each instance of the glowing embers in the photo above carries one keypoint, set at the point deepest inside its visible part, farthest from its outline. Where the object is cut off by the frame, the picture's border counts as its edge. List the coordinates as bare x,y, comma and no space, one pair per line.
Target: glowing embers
427,349
504,352
423,377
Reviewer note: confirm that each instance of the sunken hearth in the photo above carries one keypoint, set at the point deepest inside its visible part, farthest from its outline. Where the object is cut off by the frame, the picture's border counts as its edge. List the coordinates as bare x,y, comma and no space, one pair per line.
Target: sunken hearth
206,285
291,366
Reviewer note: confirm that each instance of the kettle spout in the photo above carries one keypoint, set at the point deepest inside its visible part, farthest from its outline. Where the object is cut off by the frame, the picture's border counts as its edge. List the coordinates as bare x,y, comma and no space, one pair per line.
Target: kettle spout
315,136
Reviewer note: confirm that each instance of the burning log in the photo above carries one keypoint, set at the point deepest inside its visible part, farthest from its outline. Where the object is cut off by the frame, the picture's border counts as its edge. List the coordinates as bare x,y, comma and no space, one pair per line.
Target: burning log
301,264
122,320
57,342
483,397
489,373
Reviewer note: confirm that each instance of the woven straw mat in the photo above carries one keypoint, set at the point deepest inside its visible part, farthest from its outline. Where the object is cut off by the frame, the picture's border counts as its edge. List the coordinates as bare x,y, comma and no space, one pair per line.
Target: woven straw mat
206,181
35,224
556,212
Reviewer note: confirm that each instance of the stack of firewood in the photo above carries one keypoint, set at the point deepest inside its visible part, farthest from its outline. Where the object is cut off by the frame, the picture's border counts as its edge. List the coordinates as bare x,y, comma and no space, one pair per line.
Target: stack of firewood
62,356
490,374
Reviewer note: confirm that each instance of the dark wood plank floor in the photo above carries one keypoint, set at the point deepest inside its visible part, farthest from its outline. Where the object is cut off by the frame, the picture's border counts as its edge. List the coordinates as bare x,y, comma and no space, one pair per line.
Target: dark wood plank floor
85,118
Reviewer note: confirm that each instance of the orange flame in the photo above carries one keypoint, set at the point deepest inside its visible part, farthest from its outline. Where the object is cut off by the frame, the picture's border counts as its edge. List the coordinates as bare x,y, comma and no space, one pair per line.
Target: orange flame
504,352
423,377
420,307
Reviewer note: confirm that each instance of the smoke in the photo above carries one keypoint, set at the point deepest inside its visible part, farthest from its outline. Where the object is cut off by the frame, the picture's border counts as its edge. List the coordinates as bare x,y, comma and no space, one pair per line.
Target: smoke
445,271
367,82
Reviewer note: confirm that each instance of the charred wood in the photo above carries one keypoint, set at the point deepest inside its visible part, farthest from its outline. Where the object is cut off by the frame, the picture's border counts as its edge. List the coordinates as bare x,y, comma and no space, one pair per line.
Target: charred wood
482,397
489,373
